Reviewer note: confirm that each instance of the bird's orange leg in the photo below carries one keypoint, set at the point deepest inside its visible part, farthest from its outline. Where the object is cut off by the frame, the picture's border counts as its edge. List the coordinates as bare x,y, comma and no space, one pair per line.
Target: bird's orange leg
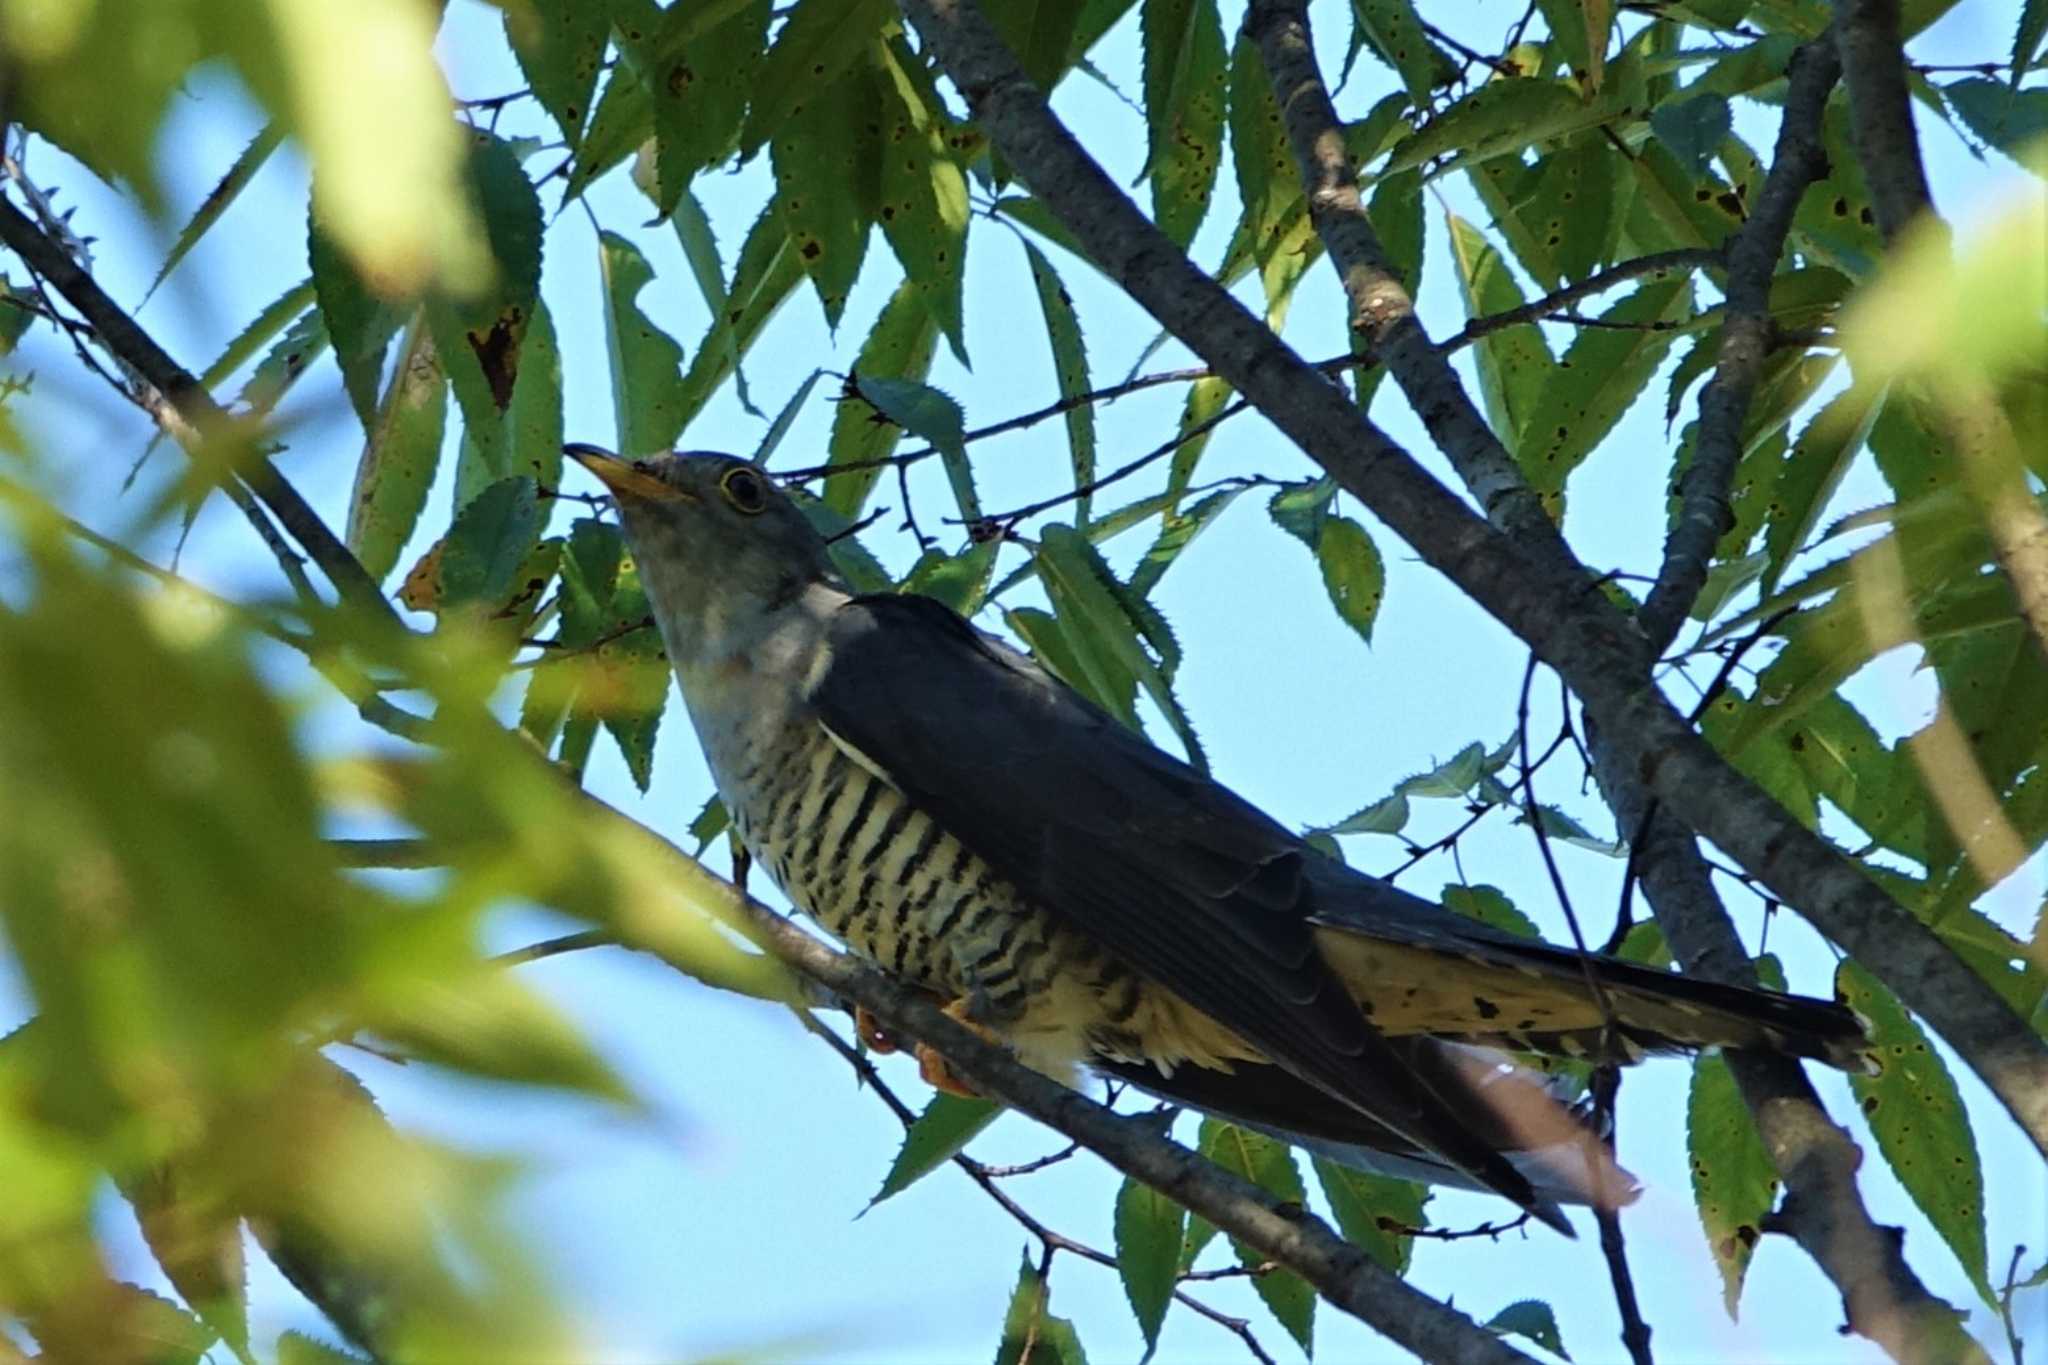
934,1068
877,1038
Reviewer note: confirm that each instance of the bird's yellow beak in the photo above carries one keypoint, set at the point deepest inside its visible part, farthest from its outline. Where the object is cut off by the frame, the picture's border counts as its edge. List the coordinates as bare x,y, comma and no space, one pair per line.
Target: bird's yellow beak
621,477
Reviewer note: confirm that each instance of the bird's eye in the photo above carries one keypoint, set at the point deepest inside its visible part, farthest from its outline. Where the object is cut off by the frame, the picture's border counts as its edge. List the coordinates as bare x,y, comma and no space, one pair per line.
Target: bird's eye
745,491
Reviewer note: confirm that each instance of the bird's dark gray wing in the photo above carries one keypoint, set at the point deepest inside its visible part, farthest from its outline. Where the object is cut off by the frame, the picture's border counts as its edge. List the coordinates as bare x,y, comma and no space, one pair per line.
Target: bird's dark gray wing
1184,881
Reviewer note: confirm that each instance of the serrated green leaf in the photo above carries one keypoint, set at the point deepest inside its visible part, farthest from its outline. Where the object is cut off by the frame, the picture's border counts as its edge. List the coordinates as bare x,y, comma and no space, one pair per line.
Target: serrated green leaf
924,203
898,346
304,342
821,40
487,542
2003,115
1149,1227
1500,117
197,1243
1207,397
932,416
1269,1164
1093,606
1177,530
1301,508
1917,1116
219,199
1602,373
1388,815
1070,371
1268,184
1042,33
767,272
1098,678
1581,29
1515,365
398,461
1691,129
1184,102
1836,224
946,1126
528,442
490,1024
1812,472
1734,1183
1491,907
771,439
648,403
1353,573
480,337
1393,31
1533,1319
827,158
622,121
560,45
960,581
358,322
1031,1335
1365,1205
1878,787
296,1348
2026,41
699,68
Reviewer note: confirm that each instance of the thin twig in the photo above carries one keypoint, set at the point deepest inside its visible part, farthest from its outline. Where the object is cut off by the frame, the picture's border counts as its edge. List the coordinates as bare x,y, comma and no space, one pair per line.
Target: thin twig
1150,457
1635,1333
197,415
1599,282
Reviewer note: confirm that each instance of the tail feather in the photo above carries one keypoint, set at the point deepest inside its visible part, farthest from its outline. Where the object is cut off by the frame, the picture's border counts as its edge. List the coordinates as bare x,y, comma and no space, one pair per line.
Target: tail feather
1525,996
1516,1111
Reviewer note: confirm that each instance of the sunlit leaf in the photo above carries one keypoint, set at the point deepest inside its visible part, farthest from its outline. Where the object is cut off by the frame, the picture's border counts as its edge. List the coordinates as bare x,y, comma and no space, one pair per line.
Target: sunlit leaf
646,363
1734,1183
947,1125
1917,1116
828,166
1184,103
560,46
1030,1332
1371,1209
220,198
399,459
899,346
1148,1227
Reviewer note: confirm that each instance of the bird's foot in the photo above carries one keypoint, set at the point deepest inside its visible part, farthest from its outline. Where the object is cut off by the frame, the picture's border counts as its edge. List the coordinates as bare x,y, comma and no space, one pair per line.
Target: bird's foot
934,1068
877,1039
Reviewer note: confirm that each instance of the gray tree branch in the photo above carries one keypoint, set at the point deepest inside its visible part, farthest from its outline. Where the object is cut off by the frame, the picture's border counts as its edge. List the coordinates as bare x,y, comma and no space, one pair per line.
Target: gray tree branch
1546,599
1381,310
1747,338
1817,1160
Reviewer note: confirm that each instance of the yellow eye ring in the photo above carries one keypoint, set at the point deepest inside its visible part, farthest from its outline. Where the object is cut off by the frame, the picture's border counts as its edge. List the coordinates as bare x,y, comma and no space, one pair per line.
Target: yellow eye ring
743,488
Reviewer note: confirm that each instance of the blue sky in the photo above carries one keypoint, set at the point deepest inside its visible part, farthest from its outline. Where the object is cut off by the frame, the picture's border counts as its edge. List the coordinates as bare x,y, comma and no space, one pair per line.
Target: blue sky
730,1223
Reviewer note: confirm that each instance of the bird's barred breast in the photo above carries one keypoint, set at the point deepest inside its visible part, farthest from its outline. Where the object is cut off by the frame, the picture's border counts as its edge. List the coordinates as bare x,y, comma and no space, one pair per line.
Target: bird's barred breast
877,873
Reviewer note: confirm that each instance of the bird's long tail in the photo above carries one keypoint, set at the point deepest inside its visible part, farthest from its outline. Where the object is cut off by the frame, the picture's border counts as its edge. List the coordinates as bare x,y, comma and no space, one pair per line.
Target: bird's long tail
1518,1112
1453,983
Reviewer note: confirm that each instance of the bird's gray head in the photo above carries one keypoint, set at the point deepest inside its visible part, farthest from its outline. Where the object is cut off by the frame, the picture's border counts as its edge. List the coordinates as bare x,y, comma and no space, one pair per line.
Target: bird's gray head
720,548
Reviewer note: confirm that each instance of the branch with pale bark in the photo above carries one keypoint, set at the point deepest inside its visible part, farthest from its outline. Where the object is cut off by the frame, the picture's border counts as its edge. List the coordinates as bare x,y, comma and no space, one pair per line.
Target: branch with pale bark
1530,584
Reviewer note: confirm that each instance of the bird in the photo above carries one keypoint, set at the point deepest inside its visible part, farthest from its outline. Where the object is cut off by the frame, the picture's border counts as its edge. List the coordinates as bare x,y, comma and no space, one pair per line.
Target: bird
959,816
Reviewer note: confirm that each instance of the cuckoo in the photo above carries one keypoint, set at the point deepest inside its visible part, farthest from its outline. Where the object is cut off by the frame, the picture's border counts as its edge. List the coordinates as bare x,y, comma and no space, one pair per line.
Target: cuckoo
959,816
